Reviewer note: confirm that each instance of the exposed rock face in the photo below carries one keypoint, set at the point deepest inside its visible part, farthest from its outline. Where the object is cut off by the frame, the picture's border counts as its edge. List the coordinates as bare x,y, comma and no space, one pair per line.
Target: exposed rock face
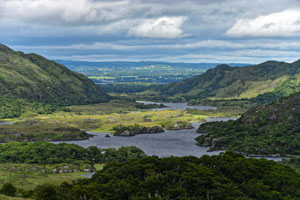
147,120
127,133
73,133
180,126
210,142
189,126
207,142
154,129
55,171
142,130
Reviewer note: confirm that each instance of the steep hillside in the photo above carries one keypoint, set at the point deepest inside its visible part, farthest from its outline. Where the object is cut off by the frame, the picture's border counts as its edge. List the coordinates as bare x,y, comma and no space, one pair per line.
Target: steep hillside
265,81
264,130
27,78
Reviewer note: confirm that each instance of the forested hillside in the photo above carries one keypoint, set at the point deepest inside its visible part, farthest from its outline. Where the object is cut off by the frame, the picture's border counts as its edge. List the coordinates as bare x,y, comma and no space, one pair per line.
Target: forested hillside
30,80
264,82
263,130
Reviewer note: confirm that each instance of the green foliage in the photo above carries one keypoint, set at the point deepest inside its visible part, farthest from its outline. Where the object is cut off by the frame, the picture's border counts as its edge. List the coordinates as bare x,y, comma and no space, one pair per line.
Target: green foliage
261,83
15,107
228,176
29,78
8,189
127,87
118,129
265,130
35,130
293,161
45,192
48,153
131,130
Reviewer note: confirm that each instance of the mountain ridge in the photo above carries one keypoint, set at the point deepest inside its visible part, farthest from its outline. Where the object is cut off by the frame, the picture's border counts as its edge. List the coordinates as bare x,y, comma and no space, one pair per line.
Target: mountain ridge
33,78
249,82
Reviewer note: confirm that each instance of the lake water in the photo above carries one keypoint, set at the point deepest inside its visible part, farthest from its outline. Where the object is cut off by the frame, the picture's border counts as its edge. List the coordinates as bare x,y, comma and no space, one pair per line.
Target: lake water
6,123
178,106
169,143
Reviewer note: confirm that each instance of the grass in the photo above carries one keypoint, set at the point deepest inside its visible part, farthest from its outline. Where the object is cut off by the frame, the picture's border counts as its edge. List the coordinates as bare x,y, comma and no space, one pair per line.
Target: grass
215,113
99,166
261,87
104,122
102,77
3,197
28,176
103,117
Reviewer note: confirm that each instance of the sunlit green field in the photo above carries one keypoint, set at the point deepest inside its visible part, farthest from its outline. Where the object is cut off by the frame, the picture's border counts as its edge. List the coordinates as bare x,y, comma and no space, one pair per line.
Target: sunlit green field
103,117
28,176
3,197
90,118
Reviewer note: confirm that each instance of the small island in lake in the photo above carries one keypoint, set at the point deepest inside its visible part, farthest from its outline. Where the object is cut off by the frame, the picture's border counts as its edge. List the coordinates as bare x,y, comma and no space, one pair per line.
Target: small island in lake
121,130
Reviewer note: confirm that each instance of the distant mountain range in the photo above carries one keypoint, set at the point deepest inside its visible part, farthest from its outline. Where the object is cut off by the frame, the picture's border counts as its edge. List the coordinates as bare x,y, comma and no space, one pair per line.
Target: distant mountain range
266,81
71,64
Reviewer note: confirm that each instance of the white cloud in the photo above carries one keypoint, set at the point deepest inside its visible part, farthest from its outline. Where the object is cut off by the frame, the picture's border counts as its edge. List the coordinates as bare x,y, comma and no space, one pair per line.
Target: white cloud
284,23
81,46
63,12
239,56
218,45
163,27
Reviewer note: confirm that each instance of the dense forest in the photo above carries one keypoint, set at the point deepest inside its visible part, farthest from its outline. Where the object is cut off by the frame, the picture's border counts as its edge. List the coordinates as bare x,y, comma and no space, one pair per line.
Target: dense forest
48,153
227,176
263,130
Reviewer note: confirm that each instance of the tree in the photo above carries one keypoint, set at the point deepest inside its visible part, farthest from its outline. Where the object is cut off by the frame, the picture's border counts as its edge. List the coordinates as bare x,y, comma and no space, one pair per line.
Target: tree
9,190
45,192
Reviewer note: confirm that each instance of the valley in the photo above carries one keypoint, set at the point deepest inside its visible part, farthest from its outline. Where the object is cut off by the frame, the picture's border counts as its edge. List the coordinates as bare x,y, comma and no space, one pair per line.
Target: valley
74,128
149,100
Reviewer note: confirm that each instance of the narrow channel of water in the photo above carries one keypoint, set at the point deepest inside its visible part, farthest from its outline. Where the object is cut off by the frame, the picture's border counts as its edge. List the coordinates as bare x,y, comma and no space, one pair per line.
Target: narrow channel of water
6,123
177,106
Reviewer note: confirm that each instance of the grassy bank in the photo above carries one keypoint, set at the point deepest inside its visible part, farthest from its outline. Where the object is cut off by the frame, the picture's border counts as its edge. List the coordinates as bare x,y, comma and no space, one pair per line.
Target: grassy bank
28,176
69,123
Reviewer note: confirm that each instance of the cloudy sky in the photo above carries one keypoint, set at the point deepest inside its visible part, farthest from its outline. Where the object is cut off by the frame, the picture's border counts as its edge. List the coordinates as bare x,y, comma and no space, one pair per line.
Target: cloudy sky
248,31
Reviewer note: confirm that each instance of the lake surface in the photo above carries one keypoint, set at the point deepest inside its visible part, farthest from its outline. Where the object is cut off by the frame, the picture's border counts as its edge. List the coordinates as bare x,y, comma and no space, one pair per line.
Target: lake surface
6,123
178,106
169,143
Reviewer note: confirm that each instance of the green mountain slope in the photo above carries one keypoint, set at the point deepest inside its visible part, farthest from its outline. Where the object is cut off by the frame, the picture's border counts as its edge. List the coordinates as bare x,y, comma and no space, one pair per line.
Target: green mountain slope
27,78
265,81
264,130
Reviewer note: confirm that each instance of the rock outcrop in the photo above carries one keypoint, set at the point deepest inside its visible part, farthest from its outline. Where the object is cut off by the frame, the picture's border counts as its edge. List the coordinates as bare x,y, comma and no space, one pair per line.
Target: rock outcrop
141,130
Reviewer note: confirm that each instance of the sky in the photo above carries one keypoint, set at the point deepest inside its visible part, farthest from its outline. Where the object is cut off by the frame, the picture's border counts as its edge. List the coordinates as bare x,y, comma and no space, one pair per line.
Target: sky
192,31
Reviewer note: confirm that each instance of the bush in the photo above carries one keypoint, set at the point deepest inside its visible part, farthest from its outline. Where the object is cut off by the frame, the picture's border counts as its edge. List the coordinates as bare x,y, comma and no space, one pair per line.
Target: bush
45,192
9,190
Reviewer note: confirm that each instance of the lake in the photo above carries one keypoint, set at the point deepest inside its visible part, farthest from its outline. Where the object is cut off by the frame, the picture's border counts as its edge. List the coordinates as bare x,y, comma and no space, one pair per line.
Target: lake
177,106
168,143
6,123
